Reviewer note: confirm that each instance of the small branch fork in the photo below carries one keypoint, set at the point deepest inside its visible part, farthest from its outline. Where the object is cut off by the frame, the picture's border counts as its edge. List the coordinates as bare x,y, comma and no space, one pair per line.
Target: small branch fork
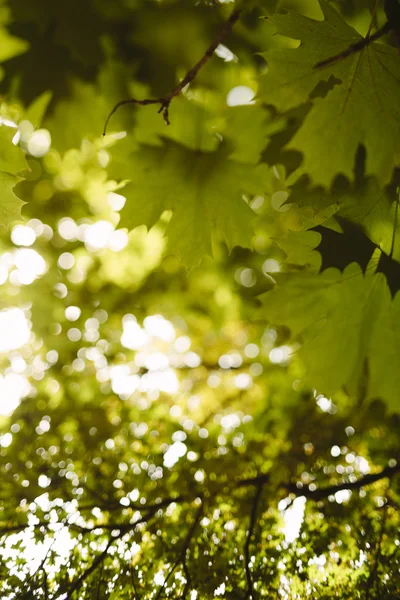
189,77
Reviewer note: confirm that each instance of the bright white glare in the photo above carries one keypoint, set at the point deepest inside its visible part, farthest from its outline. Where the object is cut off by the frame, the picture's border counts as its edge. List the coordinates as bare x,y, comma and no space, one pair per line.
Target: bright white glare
23,235
13,387
30,265
192,360
34,552
224,53
14,329
174,453
102,235
39,143
116,201
6,440
293,518
73,334
159,578
118,240
182,344
67,228
44,481
361,465
8,123
335,451
320,561
156,361
324,403
122,382
165,381
72,313
133,336
243,381
66,261
280,355
240,95
230,421
98,235
342,496
199,476
220,590
225,361
159,327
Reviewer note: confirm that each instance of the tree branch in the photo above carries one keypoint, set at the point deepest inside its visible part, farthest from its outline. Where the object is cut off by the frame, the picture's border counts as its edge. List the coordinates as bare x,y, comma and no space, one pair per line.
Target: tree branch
250,531
321,493
182,554
97,561
189,77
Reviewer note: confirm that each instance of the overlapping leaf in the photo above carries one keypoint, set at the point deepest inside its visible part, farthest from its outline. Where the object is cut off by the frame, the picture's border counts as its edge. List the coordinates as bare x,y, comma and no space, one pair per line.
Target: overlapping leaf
203,190
366,219
360,108
12,162
341,319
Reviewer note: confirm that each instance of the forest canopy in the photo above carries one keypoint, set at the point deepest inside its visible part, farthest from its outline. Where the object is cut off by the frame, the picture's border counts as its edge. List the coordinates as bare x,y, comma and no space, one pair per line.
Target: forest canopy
200,317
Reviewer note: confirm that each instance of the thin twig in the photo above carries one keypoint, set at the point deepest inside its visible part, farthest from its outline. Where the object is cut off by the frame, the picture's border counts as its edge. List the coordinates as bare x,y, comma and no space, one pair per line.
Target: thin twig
189,77
250,531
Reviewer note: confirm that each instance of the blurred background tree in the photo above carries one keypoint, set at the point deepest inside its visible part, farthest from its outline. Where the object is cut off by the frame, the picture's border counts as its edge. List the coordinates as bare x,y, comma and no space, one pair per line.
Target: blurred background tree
160,437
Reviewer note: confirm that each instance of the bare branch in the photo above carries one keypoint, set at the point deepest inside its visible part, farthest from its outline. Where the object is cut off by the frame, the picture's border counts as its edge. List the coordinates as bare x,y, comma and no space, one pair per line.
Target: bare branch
321,493
189,77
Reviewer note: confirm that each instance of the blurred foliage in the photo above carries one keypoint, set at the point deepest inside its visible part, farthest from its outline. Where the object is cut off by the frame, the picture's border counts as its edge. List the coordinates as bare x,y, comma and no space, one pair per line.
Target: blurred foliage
199,387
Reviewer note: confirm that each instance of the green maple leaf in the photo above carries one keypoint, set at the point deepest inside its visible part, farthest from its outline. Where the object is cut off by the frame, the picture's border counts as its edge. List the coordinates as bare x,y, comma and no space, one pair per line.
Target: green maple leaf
11,46
341,320
204,191
365,88
299,247
12,162
12,158
366,205
10,204
37,109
